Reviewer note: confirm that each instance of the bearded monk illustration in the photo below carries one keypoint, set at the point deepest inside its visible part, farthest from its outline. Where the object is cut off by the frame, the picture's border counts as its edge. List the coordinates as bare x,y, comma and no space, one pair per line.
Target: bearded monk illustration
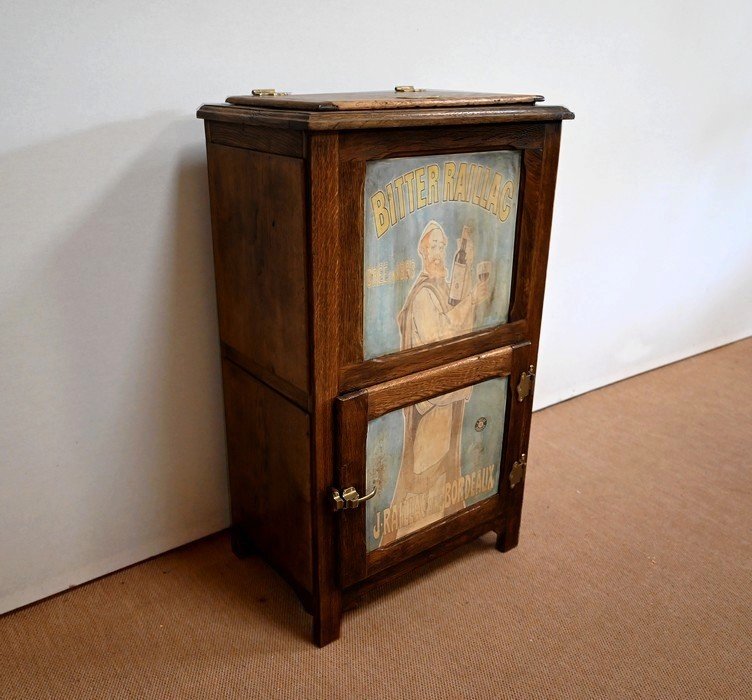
433,311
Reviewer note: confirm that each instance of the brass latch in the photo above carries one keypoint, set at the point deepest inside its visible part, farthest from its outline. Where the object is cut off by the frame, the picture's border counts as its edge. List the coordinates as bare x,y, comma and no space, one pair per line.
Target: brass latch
408,88
350,498
518,471
525,385
267,92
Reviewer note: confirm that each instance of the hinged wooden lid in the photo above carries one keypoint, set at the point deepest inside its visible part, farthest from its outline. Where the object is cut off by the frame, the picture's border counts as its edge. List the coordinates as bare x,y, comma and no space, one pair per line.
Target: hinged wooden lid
401,97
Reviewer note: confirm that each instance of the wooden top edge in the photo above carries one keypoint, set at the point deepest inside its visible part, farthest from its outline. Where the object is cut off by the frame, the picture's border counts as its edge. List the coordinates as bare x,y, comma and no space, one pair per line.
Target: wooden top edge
341,120
356,101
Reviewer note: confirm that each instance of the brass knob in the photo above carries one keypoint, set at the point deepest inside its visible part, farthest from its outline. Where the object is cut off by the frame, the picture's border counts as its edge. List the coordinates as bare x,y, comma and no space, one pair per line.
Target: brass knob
350,498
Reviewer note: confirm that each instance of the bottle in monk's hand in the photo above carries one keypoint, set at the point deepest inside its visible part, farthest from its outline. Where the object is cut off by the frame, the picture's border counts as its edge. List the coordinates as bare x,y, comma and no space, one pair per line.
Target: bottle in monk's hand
459,270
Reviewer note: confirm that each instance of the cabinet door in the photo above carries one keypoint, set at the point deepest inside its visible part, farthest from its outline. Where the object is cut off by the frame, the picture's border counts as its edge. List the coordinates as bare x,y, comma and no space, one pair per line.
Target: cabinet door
444,246
436,449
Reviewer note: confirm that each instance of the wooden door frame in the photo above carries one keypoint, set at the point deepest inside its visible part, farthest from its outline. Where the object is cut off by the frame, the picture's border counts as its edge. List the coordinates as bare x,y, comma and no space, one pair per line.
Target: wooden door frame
356,409
355,150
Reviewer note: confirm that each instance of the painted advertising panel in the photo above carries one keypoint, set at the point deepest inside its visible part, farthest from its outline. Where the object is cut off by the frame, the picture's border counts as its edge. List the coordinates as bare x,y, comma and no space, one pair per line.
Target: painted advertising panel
438,247
432,459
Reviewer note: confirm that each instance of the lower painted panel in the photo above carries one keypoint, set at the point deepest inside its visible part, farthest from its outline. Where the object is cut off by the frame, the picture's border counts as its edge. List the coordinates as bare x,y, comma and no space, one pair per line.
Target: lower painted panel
432,459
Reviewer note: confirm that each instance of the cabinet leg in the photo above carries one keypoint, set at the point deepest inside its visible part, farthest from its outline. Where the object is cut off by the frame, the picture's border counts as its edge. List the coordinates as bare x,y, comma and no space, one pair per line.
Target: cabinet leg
506,541
241,545
508,533
326,621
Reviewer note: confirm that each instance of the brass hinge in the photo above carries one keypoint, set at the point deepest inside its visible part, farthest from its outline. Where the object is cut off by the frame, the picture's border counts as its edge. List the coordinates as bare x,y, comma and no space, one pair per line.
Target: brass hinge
525,385
518,471
267,92
350,498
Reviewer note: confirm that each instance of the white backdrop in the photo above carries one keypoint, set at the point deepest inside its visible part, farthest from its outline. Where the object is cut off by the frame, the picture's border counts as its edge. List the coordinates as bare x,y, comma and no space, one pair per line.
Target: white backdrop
111,443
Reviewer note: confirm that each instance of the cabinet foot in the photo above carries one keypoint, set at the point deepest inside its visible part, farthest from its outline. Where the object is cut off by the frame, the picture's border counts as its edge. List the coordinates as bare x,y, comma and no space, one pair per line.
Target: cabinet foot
326,624
506,540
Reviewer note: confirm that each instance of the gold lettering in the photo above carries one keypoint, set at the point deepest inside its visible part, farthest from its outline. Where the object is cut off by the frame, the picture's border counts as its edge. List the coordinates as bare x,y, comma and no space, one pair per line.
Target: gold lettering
484,189
410,184
493,195
392,208
381,274
420,175
475,173
460,189
433,184
380,213
449,168
506,200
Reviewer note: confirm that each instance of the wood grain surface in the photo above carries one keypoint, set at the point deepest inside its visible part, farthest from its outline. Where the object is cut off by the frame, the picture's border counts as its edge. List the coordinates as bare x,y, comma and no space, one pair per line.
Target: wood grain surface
384,99
268,457
325,272
381,119
260,258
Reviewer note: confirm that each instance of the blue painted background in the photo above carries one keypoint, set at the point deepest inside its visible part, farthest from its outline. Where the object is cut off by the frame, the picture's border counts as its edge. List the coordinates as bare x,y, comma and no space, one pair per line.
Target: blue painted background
478,449
493,240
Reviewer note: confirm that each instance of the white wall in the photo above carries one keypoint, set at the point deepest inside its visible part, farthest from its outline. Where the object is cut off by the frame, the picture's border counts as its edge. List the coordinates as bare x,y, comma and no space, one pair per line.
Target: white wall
111,445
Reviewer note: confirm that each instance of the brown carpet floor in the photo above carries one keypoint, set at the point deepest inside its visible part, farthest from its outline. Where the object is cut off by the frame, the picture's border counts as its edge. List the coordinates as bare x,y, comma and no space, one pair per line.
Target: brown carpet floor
633,579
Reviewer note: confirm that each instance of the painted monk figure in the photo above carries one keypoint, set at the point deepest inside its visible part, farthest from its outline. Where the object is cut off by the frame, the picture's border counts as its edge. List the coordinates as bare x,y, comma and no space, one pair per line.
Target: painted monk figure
433,428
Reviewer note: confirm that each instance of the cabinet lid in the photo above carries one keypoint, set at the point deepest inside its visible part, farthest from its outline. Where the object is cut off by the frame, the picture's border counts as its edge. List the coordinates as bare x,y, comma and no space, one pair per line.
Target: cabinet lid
402,97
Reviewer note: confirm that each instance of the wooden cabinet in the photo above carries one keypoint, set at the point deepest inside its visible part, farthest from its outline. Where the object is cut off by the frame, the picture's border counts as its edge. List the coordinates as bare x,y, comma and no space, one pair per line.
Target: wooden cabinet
380,262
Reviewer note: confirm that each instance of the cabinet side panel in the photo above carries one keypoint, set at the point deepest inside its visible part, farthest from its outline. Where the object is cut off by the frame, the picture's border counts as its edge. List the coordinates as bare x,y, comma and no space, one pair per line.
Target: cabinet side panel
269,461
258,225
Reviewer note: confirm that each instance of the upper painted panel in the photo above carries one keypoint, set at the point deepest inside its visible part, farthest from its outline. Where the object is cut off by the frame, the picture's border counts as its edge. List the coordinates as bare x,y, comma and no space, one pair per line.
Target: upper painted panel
439,247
